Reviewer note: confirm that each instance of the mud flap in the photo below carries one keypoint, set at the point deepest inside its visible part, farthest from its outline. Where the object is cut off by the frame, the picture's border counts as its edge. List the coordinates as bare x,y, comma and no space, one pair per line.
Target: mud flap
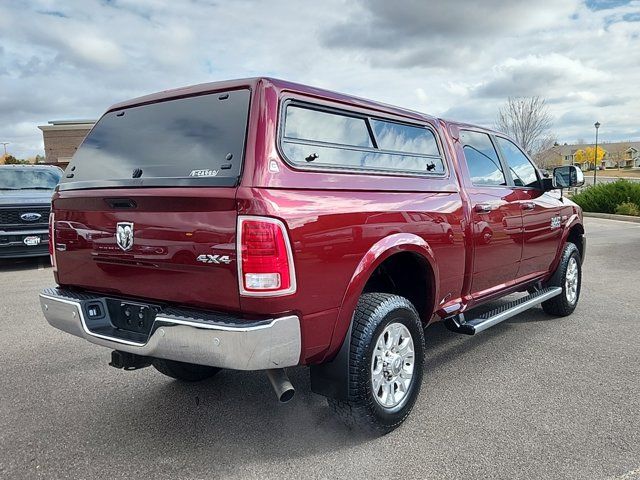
331,379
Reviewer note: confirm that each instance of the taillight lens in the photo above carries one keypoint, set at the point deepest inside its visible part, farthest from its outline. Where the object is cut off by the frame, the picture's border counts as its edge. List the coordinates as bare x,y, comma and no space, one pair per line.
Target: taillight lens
266,263
52,241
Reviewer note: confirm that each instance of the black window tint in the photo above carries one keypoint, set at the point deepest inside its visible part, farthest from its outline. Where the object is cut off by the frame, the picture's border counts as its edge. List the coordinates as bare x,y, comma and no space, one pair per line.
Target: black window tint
325,156
306,124
482,159
404,138
191,137
522,171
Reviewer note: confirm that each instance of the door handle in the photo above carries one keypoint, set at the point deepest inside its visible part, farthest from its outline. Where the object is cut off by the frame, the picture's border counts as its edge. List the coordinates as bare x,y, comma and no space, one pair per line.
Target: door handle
484,208
528,206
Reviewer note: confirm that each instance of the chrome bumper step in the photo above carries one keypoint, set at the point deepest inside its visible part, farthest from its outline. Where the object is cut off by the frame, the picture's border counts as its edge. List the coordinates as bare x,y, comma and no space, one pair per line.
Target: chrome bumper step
191,336
459,324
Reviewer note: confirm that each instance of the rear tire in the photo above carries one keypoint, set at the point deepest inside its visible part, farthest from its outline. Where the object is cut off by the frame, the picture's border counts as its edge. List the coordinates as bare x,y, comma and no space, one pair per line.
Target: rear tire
385,364
568,275
186,372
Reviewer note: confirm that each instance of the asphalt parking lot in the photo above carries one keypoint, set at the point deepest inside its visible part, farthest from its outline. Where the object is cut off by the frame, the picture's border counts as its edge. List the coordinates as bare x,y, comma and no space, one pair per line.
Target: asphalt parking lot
534,397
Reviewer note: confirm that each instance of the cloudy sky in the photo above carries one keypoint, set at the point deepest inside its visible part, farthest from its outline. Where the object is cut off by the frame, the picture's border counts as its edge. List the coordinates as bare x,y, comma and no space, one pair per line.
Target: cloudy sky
457,59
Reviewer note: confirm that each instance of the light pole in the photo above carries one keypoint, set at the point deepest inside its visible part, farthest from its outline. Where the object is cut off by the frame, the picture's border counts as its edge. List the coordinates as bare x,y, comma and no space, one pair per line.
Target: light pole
4,144
595,154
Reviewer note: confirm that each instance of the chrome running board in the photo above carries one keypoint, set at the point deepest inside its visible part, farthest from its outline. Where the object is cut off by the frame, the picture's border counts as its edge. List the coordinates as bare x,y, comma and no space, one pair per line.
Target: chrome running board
458,323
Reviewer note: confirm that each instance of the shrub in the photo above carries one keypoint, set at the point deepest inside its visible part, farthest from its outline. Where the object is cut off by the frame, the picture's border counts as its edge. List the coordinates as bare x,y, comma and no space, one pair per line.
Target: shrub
628,208
605,197
11,160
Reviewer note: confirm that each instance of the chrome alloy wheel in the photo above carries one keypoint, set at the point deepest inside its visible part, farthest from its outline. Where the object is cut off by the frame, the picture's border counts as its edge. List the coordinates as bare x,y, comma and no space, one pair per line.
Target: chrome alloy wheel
392,365
571,281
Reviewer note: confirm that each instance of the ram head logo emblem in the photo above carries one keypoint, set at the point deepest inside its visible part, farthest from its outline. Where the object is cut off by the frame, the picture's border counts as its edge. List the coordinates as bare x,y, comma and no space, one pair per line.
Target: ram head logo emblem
124,235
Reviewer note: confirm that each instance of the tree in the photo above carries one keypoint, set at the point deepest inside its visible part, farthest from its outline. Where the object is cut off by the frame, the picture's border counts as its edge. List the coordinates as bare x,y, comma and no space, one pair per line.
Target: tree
548,153
11,160
527,121
618,155
587,156
549,158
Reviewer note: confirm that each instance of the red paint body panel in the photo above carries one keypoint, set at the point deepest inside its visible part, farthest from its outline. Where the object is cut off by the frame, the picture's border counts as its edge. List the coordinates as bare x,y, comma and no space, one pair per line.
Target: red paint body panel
540,244
173,227
332,231
341,226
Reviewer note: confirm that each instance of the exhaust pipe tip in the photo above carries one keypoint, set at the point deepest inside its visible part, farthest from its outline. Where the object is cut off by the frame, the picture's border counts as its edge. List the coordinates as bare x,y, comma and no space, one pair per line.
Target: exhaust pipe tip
287,395
281,385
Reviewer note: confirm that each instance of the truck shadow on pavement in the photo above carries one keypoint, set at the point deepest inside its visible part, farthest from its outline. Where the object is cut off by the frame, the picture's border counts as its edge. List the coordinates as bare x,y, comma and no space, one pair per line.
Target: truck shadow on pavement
19,264
232,418
235,414
445,347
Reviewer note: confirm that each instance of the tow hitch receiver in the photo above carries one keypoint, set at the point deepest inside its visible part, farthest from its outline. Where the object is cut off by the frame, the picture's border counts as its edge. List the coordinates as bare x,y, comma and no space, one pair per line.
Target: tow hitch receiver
128,361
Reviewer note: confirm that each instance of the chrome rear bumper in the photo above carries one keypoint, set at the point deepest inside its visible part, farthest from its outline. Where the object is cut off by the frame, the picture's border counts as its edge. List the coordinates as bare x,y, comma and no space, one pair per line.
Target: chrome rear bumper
186,336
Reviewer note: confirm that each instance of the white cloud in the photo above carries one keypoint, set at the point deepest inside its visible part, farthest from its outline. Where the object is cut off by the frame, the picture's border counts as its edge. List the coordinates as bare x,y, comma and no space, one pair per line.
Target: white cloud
460,59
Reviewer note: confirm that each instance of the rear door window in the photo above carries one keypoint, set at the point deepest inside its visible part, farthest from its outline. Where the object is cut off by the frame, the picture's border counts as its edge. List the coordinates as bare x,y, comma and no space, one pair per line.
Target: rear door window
193,141
329,139
482,159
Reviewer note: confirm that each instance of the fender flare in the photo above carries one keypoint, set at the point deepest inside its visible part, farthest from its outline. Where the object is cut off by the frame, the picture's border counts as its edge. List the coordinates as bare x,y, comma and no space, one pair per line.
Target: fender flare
572,221
331,378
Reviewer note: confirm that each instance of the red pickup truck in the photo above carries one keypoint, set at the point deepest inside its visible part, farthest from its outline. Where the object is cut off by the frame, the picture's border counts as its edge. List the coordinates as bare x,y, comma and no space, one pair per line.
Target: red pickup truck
260,224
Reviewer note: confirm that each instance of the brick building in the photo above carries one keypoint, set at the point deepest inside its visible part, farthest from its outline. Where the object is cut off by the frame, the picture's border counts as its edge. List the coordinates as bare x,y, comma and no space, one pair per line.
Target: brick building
62,138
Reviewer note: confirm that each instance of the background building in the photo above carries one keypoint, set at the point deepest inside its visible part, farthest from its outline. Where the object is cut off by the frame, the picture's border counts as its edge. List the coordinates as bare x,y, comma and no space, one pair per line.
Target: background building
62,138
616,155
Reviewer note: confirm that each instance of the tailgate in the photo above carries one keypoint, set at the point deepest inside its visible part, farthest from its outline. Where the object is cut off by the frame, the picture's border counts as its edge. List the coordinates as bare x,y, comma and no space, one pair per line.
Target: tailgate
147,205
170,245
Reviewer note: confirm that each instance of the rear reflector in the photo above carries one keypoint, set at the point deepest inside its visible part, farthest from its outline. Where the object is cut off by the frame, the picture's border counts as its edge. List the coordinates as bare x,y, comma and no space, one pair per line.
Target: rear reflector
52,250
266,262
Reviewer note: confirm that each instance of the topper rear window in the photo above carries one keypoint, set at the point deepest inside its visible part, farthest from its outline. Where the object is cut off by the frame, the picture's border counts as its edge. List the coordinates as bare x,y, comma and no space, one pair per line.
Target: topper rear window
187,141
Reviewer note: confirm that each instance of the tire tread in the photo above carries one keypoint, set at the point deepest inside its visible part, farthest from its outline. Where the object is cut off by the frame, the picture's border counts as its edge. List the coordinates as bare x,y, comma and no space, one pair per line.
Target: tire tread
357,411
559,306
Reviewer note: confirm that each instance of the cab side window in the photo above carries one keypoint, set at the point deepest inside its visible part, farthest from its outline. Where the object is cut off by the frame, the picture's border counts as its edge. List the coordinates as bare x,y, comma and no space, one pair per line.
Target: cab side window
482,159
522,171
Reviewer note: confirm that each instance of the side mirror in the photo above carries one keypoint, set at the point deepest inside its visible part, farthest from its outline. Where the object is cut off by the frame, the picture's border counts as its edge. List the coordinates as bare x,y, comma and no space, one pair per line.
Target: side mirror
567,176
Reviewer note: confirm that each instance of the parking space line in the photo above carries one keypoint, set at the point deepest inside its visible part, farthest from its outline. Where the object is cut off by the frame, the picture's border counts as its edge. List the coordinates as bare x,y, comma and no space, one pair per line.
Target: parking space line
630,475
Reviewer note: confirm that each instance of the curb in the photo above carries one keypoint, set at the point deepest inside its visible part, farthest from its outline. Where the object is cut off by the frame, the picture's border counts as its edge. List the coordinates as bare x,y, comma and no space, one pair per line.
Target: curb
612,216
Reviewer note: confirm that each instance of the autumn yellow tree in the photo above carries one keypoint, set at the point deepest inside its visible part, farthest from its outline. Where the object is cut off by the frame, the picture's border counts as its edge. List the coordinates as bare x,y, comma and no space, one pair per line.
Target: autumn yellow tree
587,156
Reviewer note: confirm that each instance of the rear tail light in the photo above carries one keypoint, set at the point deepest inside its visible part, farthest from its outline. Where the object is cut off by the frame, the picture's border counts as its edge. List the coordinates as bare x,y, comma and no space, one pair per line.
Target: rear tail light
52,240
265,266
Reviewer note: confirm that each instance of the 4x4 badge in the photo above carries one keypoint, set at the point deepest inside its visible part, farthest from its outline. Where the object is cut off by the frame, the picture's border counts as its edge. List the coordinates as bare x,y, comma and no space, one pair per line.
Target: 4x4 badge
124,235
214,259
